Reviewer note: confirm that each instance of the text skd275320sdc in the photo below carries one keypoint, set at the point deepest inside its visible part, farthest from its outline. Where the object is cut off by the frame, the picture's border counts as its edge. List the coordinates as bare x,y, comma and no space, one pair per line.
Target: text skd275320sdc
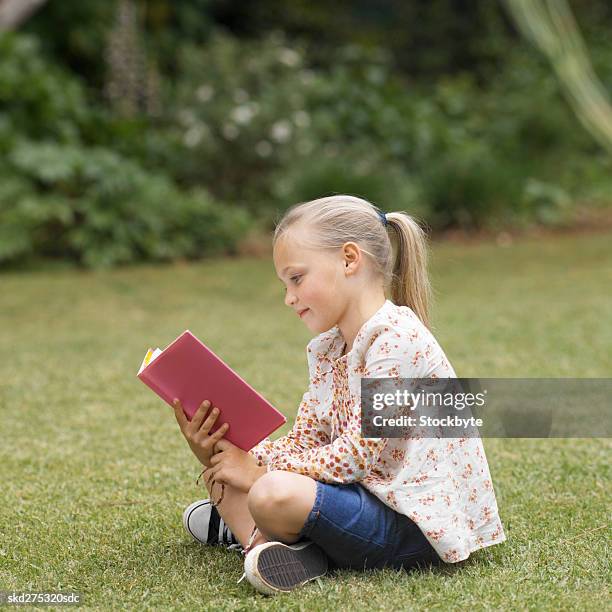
24,598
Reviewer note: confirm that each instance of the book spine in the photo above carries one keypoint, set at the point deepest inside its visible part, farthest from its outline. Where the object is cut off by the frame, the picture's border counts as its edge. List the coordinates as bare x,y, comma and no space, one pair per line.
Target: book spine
150,383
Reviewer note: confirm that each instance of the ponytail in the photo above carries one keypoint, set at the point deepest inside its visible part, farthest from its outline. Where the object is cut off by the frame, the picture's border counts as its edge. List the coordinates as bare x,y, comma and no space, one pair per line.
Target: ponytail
410,284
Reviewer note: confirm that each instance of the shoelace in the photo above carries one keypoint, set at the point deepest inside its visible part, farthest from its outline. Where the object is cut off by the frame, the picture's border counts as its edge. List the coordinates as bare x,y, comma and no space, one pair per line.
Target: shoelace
226,535
247,549
229,539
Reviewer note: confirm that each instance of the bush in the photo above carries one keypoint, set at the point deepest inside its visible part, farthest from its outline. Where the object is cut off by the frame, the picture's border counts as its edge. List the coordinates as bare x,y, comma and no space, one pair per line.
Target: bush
62,195
99,209
234,115
336,171
251,124
270,131
256,124
38,99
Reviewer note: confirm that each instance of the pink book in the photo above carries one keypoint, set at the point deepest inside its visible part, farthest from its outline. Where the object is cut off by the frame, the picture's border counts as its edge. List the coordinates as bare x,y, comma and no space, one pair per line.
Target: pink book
189,370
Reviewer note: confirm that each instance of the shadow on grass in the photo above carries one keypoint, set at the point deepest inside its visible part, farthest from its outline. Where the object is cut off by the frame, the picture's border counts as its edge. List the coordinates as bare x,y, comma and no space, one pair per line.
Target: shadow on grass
192,552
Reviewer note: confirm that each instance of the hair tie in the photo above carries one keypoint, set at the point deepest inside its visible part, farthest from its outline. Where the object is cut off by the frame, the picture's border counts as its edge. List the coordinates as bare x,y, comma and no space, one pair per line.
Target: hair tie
383,217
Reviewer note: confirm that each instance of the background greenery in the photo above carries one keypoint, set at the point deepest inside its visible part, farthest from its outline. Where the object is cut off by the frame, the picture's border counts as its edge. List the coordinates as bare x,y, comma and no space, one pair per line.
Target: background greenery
97,474
136,130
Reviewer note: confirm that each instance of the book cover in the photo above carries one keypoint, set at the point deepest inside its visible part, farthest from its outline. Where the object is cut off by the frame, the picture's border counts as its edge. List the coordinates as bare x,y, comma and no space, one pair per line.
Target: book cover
189,370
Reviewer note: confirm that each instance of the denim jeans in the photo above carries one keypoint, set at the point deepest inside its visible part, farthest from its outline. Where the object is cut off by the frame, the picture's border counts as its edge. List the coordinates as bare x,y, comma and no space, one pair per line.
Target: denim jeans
357,530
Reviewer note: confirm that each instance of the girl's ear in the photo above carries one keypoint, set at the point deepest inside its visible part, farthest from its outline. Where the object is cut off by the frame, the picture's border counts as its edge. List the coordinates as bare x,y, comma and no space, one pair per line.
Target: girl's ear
351,250
351,255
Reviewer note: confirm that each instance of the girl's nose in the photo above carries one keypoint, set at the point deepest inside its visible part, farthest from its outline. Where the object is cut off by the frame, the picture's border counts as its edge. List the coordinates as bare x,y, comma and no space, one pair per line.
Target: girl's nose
289,299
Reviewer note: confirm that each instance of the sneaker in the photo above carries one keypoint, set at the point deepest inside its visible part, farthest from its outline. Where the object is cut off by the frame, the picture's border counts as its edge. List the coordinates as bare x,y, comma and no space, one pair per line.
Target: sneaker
274,567
203,522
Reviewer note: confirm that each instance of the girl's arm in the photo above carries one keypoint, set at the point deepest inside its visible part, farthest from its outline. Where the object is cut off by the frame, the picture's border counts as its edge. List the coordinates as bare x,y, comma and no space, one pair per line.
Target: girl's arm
304,435
350,458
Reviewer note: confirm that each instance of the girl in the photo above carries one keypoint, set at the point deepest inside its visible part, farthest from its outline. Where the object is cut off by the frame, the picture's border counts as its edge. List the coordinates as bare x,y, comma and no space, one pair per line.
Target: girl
322,496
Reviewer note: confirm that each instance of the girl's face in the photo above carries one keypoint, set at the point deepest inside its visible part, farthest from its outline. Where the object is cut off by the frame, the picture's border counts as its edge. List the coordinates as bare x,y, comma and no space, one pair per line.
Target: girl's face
315,282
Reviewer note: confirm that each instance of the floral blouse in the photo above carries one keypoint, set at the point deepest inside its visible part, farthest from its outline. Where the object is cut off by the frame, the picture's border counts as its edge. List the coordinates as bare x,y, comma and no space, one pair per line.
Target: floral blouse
442,484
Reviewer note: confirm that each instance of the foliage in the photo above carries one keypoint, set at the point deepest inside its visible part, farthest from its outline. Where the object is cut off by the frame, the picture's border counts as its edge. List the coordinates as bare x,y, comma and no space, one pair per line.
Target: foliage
234,114
38,98
100,209
471,131
75,34
61,196
271,131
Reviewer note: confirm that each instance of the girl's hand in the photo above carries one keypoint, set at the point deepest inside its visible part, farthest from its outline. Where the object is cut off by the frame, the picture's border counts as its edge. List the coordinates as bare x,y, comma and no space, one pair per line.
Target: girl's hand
231,465
196,431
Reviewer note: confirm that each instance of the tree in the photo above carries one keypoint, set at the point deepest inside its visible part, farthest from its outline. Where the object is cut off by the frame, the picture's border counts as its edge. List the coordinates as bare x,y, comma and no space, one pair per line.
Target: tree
14,12
551,26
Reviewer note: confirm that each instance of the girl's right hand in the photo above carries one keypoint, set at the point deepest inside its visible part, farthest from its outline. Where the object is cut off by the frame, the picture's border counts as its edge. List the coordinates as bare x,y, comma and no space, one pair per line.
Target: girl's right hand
196,431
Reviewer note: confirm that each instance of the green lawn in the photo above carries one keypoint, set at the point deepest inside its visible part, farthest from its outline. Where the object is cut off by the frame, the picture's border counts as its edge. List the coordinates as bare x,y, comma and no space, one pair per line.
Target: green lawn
95,474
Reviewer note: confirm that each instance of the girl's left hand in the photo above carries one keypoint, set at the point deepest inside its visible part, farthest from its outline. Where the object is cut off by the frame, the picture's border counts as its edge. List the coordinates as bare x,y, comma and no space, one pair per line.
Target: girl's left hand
231,465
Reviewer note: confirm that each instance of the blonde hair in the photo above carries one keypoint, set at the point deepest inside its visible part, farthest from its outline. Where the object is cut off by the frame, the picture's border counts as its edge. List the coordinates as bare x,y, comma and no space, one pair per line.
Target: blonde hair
334,220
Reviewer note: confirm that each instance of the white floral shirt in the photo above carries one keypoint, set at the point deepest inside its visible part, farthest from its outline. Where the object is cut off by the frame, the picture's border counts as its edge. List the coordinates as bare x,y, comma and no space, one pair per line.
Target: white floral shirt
442,484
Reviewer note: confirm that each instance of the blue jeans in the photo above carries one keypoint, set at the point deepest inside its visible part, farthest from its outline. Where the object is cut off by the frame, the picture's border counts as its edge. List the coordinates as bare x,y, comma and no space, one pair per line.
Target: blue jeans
356,530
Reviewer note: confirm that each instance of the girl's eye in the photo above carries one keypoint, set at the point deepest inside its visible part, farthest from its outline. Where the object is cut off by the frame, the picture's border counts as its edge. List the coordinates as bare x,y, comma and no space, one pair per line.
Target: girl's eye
294,279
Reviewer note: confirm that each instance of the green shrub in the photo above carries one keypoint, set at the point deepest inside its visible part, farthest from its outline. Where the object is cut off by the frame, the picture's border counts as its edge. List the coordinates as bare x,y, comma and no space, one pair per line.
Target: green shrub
469,187
65,193
99,209
346,171
259,126
251,124
235,111
37,98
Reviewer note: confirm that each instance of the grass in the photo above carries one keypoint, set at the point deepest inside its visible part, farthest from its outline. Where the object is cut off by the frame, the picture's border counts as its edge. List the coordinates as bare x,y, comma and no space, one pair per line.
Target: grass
95,474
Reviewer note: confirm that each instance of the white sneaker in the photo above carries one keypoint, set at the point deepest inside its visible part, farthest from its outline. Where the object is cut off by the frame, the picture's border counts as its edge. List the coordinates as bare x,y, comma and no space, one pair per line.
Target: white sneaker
274,567
204,524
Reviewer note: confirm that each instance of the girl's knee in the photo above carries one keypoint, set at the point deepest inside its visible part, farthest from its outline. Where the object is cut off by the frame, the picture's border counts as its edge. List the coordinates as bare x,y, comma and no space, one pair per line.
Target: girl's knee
268,493
278,493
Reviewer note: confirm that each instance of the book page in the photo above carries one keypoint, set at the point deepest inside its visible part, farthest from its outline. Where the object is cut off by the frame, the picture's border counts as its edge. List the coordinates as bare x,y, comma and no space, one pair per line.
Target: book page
149,358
